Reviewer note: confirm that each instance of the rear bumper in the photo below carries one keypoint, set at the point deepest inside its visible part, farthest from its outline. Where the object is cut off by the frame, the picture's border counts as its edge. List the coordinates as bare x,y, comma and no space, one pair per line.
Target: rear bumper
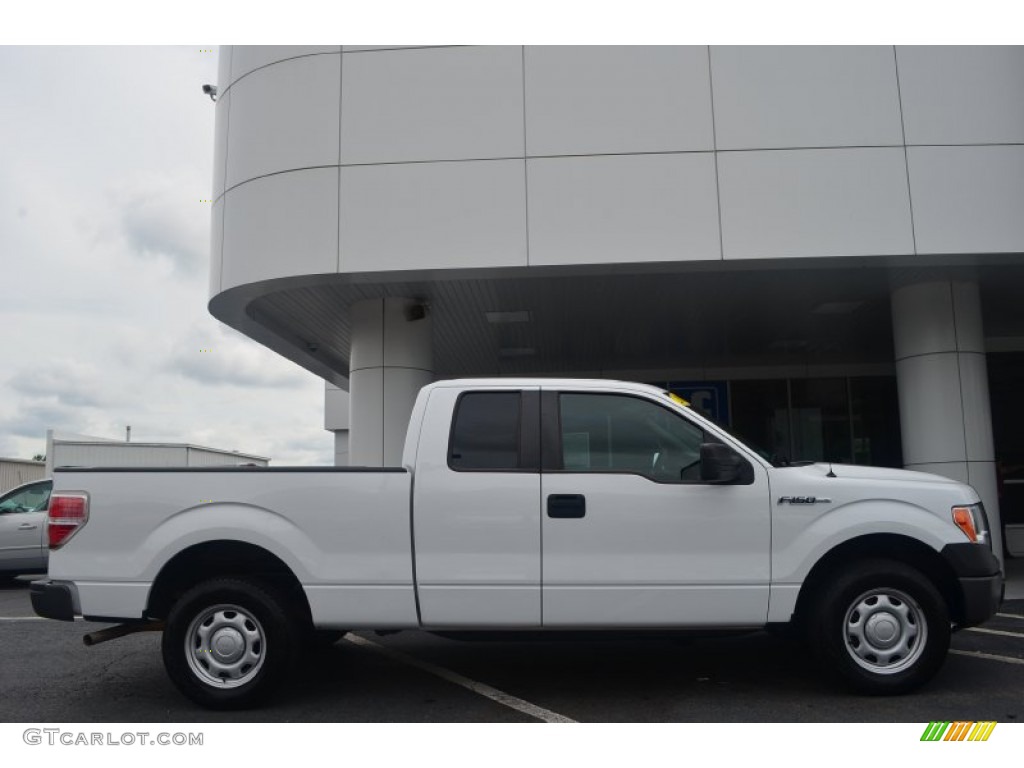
980,579
53,600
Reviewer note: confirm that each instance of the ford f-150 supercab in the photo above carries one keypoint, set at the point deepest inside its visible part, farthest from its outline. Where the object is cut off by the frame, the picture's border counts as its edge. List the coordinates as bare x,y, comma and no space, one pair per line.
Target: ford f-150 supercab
524,505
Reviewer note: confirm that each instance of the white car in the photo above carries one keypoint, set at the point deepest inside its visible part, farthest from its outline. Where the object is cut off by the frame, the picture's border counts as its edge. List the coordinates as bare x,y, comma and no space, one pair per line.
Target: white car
23,546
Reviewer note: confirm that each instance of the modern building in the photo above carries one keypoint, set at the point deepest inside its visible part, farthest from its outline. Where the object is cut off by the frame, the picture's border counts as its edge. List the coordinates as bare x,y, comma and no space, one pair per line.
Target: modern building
822,246
87,451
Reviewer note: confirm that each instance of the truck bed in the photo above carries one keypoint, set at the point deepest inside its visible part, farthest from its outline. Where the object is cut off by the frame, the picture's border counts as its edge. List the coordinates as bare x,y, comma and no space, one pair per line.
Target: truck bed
345,532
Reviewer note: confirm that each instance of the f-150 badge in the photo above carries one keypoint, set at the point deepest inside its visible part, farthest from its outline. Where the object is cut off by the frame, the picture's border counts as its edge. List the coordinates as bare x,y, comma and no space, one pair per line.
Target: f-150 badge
803,500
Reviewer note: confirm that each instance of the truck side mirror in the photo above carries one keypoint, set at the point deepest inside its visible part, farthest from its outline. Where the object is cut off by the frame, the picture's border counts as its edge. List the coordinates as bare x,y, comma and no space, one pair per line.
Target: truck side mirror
721,465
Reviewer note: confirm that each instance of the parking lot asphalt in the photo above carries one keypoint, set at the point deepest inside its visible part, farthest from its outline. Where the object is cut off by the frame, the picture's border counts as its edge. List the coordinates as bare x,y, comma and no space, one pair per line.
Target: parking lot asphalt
48,675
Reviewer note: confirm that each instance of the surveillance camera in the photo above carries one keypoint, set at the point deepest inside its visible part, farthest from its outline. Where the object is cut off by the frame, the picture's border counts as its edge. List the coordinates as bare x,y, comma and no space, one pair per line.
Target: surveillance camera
211,91
415,312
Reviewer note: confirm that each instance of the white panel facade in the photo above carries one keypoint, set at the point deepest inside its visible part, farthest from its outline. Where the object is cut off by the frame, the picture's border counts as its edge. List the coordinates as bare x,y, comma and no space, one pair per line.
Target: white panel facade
962,94
392,359
977,409
246,58
284,117
336,402
934,389
811,203
956,470
586,210
401,386
925,326
280,226
224,54
805,96
433,216
348,48
220,144
216,244
616,99
366,387
968,199
432,104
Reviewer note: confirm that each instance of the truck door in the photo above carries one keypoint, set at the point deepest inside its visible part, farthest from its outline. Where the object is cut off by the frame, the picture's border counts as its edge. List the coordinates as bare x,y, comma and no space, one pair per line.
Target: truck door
631,536
476,509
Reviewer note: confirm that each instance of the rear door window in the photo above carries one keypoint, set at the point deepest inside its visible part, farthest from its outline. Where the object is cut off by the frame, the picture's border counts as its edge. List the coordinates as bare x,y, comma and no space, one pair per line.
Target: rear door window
486,432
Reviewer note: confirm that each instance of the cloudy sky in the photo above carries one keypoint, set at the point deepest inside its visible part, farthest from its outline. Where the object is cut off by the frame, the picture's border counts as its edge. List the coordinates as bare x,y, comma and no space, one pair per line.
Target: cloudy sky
105,165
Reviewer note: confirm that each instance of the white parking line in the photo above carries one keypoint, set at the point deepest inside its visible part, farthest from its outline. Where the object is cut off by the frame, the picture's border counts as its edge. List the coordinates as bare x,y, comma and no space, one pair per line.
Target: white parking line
22,618
991,656
1002,632
1010,615
513,702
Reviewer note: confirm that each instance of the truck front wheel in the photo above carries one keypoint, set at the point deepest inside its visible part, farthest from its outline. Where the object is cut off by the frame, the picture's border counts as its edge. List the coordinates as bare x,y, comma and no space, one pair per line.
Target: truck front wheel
881,626
229,643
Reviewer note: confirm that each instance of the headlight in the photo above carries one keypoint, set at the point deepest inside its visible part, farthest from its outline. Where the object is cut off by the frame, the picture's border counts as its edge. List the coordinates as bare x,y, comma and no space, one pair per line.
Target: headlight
973,522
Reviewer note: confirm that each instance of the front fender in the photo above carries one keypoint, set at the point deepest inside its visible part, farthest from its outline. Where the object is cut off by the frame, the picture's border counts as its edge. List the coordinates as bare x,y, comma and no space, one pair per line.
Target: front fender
799,540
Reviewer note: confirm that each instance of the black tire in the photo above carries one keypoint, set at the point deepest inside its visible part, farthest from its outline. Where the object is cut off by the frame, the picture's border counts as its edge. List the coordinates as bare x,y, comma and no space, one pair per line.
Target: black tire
880,626
252,638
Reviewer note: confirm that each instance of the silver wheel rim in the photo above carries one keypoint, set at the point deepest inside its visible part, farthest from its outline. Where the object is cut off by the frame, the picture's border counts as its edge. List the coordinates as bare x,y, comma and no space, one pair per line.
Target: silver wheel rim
885,631
225,646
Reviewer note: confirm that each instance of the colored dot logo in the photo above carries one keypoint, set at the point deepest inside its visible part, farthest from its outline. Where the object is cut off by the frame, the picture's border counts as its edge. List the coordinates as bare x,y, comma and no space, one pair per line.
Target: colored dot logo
206,350
201,200
958,731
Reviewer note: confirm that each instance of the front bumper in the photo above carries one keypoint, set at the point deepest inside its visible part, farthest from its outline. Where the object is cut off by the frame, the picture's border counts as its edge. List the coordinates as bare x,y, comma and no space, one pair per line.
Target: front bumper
981,582
53,600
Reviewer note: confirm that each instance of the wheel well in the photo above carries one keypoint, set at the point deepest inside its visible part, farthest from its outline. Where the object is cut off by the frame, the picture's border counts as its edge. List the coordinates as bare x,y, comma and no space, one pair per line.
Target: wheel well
214,559
901,548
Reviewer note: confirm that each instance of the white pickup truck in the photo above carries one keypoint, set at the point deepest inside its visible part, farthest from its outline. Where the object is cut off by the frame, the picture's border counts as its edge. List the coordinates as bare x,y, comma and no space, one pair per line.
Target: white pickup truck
524,505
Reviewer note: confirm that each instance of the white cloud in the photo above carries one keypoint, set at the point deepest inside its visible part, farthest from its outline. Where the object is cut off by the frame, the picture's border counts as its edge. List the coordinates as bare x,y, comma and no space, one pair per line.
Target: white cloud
66,381
158,224
216,356
107,153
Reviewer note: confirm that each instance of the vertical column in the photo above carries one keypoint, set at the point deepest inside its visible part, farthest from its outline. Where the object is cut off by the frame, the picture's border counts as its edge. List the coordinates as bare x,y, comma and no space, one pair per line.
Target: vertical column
945,418
336,420
391,358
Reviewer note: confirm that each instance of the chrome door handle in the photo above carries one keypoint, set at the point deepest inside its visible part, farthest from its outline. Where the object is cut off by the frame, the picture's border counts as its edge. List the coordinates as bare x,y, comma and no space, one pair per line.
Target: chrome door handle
26,527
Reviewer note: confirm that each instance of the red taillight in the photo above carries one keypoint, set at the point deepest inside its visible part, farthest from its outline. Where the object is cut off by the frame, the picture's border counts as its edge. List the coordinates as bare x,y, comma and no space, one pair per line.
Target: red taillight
69,511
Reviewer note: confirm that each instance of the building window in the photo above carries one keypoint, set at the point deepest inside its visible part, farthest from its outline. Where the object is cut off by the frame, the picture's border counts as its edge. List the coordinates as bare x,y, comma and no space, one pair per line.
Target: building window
845,420
820,420
760,416
875,414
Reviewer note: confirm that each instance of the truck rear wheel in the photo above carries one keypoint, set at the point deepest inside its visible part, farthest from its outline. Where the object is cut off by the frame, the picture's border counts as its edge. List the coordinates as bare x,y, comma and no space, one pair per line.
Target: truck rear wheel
882,627
229,643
